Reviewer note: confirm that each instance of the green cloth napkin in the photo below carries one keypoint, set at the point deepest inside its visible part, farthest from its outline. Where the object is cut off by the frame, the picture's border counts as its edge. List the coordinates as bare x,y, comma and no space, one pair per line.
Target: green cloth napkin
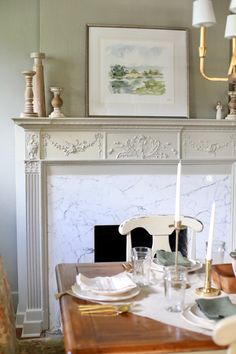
218,308
168,258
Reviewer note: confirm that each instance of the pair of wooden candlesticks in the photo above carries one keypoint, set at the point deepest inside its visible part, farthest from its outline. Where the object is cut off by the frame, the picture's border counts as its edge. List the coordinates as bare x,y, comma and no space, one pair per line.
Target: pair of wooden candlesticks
35,96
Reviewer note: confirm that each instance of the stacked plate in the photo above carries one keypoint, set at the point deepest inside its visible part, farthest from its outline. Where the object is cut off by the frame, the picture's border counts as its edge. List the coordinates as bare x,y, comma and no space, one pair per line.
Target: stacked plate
115,288
196,317
194,265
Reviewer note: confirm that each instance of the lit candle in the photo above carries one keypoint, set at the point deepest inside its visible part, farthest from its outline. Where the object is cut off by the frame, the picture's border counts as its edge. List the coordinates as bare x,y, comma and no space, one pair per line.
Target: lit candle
177,197
211,233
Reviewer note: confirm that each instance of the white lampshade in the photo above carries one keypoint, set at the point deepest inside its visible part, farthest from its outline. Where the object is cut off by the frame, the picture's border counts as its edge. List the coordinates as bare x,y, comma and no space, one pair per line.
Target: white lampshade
203,13
230,28
232,6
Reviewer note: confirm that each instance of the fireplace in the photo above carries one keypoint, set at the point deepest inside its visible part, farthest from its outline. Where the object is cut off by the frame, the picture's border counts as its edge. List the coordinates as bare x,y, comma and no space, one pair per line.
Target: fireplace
110,246
76,173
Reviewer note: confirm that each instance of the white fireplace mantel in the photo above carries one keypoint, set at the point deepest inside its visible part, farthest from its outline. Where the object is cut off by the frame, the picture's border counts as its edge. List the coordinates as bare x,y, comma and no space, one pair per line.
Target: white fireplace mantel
41,142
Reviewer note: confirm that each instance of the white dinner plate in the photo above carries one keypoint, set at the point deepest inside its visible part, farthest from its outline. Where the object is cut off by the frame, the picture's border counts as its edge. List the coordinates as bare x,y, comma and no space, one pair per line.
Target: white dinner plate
196,318
195,265
108,286
195,311
88,295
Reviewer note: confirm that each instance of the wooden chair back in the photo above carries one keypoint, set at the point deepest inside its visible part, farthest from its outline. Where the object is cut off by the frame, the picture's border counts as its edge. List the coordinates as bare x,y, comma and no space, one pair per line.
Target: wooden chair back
160,227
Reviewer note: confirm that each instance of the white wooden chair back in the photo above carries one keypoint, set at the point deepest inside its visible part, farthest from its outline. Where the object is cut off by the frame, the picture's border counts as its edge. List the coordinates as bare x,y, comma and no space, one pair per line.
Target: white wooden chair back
160,225
224,333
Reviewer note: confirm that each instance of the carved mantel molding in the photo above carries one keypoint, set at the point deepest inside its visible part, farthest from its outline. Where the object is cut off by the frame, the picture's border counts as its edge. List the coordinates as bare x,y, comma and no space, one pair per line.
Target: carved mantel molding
126,138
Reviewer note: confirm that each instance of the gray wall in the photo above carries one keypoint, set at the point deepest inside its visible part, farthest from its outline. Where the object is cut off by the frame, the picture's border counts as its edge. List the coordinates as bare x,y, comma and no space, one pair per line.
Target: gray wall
58,28
18,37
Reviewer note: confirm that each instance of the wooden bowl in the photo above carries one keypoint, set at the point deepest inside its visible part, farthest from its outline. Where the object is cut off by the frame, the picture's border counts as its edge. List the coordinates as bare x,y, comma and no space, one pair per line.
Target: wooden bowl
223,277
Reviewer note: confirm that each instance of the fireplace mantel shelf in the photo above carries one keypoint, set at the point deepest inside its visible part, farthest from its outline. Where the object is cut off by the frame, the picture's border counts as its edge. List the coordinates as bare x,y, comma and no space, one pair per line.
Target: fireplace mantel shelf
52,123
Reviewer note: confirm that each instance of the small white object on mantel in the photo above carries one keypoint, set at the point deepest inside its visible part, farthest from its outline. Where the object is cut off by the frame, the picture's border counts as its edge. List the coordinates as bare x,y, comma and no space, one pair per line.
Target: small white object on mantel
219,111
56,102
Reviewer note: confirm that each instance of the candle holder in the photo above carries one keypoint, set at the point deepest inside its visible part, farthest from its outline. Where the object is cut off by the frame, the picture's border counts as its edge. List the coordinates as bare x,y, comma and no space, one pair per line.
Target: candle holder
29,95
56,102
208,290
178,227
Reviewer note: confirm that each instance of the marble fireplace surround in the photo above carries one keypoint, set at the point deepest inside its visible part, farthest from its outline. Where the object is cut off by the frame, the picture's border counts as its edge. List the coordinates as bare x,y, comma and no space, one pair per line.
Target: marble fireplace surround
44,144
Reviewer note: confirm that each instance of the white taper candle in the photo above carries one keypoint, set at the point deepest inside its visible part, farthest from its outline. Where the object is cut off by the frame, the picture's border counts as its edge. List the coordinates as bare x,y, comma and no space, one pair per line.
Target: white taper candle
211,233
177,197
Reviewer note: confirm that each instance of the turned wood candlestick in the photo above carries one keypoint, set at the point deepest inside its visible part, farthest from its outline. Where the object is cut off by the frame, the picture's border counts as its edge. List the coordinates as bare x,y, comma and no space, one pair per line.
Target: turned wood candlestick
29,95
56,102
39,92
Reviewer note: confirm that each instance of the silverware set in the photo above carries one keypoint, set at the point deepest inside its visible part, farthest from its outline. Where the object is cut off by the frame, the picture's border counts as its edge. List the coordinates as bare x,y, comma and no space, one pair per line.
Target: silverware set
104,310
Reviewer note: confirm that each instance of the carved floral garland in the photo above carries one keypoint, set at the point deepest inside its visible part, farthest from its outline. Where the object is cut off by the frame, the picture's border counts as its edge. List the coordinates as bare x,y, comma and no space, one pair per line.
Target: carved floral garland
78,146
143,147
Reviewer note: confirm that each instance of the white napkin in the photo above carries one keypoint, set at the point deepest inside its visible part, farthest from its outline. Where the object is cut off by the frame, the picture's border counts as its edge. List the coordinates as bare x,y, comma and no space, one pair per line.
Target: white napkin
114,285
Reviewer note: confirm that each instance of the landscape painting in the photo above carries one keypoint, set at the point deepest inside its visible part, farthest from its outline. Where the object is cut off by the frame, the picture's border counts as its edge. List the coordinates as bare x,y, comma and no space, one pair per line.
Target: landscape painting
140,69
144,80
137,72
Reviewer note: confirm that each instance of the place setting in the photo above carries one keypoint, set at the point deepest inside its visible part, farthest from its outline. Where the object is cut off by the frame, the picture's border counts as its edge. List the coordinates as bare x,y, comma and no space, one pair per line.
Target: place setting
114,295
106,289
164,258
205,313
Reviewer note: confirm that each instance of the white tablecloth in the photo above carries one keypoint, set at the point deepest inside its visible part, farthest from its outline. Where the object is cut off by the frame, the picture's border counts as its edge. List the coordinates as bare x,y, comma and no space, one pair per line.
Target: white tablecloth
151,302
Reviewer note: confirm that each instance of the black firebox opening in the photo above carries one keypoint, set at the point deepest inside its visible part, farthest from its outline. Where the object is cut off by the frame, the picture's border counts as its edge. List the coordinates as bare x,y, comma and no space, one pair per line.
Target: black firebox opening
110,245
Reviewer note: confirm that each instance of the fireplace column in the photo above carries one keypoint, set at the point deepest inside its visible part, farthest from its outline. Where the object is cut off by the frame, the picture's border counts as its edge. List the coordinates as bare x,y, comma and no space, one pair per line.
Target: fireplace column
31,314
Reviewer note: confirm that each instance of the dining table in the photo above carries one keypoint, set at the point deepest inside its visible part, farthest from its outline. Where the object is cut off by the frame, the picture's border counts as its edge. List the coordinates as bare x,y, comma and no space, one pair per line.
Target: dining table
125,333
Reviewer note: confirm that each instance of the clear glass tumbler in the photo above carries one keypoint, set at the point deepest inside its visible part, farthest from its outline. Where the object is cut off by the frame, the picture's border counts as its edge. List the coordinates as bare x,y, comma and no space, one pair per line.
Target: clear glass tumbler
141,259
218,252
175,280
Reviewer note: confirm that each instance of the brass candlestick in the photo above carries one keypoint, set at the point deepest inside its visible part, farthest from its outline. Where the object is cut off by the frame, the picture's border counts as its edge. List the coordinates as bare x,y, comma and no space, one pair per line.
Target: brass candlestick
178,227
208,290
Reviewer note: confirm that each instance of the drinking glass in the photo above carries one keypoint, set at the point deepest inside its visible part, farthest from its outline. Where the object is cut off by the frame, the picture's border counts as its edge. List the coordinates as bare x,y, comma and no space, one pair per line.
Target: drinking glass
218,252
142,259
175,281
233,256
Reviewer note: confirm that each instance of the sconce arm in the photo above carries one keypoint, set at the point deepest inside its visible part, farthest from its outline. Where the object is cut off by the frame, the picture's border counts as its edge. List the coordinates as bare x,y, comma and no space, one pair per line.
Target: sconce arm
202,55
232,66
202,71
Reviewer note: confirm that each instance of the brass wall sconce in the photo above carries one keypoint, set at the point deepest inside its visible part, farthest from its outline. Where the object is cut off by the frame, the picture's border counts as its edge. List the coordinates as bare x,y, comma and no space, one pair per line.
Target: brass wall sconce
204,16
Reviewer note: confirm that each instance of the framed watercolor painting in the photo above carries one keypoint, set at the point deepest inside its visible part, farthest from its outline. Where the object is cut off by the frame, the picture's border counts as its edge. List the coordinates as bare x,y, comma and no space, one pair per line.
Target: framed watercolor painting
141,72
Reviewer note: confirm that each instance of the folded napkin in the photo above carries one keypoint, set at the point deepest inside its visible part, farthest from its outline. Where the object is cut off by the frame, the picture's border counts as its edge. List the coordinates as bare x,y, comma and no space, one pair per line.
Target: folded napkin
168,258
218,308
113,285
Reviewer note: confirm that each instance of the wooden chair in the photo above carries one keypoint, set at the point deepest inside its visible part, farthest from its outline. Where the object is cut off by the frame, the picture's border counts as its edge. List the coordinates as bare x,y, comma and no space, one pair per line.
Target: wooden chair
161,226
224,333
